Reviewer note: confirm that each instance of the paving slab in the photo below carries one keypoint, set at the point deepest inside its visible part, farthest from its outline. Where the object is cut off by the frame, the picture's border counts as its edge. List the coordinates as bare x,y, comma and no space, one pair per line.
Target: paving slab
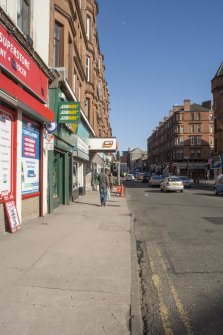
68,273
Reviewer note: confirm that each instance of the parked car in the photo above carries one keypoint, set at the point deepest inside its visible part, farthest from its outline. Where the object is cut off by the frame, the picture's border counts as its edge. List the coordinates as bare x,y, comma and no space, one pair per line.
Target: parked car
186,181
146,176
140,176
218,188
155,180
172,183
130,177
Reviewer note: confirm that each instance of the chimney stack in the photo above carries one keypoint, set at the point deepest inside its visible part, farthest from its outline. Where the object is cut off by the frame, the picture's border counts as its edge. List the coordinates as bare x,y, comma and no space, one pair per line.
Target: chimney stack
186,105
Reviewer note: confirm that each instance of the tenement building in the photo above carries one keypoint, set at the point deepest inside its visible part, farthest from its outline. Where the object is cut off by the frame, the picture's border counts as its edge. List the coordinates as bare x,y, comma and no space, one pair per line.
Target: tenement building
54,101
183,142
217,91
74,55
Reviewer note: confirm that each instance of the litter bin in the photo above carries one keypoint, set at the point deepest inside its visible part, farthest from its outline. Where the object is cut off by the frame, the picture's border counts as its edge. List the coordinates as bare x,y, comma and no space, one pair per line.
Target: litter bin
82,190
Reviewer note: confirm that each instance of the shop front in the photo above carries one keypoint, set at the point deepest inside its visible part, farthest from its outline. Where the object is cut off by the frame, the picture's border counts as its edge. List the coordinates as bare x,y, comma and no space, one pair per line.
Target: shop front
23,112
62,171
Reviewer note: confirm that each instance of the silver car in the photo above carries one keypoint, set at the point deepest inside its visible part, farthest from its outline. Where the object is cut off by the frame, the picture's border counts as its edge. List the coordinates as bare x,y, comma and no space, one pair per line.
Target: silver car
186,181
155,181
172,183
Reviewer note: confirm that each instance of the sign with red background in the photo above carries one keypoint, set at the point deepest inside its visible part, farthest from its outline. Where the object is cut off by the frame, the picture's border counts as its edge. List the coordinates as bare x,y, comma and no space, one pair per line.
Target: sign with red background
15,60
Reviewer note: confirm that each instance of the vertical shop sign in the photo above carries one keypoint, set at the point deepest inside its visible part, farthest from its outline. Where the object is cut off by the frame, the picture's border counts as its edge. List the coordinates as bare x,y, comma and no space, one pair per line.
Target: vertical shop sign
30,158
5,153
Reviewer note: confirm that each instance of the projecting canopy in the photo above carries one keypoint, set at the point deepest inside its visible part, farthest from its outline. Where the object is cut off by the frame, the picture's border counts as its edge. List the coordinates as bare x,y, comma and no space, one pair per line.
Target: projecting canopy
103,144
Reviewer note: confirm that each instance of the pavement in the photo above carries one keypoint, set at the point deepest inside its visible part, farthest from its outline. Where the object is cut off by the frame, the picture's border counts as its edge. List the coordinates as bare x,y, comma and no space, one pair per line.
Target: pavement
204,184
73,272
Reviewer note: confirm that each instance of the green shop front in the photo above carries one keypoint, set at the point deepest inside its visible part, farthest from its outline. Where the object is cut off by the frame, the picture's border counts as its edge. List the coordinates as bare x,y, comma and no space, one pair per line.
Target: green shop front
61,158
59,173
68,160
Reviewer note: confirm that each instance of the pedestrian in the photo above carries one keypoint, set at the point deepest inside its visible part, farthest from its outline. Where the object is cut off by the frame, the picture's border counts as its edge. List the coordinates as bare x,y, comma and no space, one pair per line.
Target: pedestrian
111,181
103,185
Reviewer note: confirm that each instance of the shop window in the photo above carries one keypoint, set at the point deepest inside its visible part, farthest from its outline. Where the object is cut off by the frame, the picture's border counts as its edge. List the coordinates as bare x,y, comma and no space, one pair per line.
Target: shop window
75,176
6,153
30,158
55,177
23,16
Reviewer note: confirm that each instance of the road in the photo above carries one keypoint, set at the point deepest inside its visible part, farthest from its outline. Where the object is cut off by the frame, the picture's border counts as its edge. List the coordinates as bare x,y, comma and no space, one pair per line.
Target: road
179,238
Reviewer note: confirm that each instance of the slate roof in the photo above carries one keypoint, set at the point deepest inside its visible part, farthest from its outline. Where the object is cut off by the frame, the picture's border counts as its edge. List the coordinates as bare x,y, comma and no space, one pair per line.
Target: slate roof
220,71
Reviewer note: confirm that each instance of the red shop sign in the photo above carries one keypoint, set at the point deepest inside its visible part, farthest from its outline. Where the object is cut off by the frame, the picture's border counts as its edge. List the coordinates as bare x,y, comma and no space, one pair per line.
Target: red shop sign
14,59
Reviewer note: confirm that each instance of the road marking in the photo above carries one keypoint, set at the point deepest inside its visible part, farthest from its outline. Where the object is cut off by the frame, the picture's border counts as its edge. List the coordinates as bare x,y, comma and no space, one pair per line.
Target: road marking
181,309
164,313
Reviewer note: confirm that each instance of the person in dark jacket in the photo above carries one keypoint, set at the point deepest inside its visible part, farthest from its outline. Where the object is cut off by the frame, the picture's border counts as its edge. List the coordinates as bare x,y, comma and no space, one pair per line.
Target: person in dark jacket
103,186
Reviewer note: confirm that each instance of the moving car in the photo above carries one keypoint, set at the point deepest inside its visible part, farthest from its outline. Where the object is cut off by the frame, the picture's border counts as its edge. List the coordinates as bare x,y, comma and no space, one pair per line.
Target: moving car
172,183
186,181
155,180
130,177
218,188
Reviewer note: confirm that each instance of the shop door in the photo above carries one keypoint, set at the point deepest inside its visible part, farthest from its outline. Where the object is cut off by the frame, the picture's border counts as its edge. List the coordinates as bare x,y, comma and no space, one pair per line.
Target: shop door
58,179
61,179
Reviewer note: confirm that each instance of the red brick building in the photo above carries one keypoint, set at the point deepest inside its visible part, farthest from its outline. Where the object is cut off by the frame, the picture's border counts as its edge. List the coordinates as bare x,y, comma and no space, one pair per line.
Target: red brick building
184,141
217,91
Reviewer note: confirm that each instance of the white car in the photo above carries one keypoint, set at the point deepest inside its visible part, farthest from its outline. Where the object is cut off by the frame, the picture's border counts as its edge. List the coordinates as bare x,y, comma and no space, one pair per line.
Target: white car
130,177
172,183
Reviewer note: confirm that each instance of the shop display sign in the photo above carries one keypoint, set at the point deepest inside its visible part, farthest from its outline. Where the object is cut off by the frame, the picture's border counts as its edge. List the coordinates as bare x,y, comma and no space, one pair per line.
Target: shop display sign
12,215
30,158
48,141
5,153
15,60
69,112
102,144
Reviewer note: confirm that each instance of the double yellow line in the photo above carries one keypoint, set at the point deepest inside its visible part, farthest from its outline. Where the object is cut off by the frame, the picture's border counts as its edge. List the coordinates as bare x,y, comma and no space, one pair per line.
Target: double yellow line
158,266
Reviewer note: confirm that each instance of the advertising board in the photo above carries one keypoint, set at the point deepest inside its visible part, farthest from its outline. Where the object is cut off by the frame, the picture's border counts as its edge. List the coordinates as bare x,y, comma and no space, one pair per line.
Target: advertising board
30,158
102,144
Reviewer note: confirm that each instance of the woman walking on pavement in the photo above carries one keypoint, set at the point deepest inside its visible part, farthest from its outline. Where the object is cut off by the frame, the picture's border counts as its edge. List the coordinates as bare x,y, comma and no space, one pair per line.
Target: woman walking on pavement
103,185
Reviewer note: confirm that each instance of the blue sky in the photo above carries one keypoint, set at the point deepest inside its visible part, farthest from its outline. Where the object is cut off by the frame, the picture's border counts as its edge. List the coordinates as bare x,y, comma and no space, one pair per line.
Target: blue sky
157,53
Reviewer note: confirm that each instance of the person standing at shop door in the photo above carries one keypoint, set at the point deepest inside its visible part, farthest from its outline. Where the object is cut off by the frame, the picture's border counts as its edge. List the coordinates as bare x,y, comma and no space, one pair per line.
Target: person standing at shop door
103,185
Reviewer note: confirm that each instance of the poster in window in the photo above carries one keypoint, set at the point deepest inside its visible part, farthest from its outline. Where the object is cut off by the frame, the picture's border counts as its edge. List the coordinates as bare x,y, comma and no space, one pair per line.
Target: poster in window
5,153
30,158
